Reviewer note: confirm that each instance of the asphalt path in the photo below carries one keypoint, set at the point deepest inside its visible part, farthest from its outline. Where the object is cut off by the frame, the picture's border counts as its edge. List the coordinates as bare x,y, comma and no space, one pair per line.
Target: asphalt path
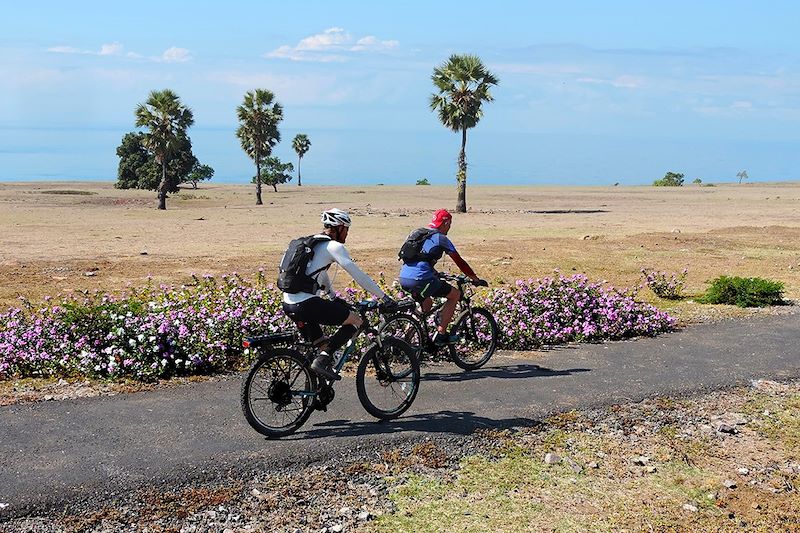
54,452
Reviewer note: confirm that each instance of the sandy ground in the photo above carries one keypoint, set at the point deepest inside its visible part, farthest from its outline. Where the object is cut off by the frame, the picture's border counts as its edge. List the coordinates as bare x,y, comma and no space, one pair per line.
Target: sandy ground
52,234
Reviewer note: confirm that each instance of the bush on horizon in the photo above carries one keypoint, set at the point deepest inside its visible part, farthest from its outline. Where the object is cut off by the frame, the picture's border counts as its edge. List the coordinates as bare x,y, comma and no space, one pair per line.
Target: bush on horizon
744,292
160,332
670,179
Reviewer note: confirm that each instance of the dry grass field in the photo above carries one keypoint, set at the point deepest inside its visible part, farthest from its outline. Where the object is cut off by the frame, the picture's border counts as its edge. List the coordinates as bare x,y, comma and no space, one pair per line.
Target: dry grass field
52,234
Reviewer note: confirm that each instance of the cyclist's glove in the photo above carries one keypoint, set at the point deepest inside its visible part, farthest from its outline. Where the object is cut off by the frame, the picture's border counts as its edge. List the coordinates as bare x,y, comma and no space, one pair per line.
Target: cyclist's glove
387,302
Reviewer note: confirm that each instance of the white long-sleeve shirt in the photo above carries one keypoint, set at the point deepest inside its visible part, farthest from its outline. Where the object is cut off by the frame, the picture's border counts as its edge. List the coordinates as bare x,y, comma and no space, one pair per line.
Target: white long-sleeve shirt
327,253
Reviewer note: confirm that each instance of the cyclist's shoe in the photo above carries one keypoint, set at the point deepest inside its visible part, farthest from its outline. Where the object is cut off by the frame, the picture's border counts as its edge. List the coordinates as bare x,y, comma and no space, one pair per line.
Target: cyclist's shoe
443,339
322,366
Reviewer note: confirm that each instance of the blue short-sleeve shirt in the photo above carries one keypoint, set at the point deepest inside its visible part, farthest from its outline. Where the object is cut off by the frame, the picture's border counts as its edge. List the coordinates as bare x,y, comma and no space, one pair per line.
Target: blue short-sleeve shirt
423,270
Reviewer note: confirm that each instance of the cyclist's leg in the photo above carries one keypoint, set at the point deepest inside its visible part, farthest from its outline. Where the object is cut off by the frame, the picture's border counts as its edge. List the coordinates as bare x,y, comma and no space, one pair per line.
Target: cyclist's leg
316,311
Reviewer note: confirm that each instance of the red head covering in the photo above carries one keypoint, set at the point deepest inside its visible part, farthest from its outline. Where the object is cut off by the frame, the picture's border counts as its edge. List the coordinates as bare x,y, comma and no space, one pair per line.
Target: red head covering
440,217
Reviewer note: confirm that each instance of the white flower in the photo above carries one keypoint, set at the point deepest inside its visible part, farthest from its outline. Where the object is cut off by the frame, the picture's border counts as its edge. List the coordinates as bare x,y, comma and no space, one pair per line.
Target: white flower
141,337
163,362
151,338
132,342
178,361
155,348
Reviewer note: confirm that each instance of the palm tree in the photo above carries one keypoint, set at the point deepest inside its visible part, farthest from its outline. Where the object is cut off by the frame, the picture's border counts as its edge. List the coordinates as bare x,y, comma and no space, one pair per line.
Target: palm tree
742,175
259,116
166,119
301,144
463,83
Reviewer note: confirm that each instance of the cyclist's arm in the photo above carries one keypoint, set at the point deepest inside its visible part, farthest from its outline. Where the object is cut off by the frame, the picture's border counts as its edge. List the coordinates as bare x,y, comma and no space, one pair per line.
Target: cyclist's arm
462,265
339,254
450,250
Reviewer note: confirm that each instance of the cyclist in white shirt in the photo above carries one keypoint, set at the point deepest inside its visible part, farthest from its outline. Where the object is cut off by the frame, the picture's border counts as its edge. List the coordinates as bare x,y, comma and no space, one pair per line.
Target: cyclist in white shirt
315,304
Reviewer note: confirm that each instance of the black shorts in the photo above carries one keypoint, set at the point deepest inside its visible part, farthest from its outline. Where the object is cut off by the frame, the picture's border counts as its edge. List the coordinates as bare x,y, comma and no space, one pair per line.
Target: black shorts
317,310
420,290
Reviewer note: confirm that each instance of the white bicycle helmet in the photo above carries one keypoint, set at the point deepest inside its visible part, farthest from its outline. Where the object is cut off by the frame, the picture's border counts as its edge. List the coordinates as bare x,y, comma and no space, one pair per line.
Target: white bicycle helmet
335,217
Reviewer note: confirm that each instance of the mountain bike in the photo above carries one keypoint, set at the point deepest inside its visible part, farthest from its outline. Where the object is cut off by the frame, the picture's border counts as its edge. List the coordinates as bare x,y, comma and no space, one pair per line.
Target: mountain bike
474,327
280,391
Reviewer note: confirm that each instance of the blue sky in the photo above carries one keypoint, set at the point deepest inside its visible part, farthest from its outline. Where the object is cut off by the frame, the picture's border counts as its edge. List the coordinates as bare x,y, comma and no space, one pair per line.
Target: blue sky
589,92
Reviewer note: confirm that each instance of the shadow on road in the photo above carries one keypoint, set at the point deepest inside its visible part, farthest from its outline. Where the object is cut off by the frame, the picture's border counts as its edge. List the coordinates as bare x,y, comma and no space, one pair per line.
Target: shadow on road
518,371
456,422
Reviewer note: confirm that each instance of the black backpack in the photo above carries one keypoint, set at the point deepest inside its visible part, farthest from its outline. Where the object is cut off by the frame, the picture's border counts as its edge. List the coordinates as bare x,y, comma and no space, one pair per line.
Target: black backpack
411,251
292,277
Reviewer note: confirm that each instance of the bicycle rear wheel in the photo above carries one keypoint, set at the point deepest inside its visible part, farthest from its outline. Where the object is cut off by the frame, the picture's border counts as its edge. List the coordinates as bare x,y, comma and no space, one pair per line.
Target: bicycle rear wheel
387,379
476,330
278,393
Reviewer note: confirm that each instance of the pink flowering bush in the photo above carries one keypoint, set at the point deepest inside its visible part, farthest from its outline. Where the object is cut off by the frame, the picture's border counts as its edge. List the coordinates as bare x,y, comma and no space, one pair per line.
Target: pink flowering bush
560,309
149,333
665,284
159,332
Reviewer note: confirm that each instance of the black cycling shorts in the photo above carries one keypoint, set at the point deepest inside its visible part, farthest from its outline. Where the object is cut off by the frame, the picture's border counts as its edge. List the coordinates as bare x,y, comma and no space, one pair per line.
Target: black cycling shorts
420,290
317,310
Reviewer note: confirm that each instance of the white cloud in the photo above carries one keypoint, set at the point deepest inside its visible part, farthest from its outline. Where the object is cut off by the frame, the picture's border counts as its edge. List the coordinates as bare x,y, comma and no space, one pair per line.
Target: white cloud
110,49
170,55
624,82
291,89
331,45
175,55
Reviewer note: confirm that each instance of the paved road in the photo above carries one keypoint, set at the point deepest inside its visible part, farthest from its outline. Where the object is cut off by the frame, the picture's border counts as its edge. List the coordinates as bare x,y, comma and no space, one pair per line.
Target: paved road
52,452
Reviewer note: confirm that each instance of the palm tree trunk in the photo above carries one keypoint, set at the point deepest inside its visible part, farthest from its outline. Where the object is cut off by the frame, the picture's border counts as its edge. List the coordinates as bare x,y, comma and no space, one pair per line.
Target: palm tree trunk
275,187
461,176
258,181
299,183
162,187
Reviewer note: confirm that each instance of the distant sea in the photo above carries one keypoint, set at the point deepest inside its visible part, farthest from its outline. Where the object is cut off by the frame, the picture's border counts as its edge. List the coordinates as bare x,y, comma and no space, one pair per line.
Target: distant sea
402,157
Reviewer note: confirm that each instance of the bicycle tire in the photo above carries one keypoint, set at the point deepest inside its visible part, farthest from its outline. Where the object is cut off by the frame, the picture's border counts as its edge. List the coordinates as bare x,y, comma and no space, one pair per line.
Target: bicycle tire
385,369
256,393
474,348
406,327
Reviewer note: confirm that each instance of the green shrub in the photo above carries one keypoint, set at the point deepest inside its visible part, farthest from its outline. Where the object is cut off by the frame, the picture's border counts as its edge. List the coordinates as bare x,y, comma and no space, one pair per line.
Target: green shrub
423,181
744,292
670,179
697,181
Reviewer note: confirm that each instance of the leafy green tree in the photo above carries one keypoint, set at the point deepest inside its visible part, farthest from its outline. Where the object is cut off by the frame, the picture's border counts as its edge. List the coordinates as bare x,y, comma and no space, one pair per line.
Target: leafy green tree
138,168
259,116
135,163
423,181
463,84
274,171
697,181
742,175
670,179
199,172
166,120
301,144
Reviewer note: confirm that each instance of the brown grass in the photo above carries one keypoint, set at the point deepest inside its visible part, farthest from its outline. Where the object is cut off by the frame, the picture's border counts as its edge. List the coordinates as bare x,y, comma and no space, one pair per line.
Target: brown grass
49,241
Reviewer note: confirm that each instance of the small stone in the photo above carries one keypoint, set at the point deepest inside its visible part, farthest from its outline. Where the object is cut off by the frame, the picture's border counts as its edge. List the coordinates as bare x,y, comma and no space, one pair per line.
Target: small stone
725,428
344,511
48,397
675,230
227,530
551,459
690,507
743,471
143,252
593,465
255,492
641,460
338,528
651,469
364,516
729,484
4,505
90,274
756,506
574,466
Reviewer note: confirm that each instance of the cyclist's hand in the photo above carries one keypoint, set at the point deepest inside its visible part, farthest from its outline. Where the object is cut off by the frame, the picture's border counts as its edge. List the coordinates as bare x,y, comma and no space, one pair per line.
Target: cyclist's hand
387,302
480,282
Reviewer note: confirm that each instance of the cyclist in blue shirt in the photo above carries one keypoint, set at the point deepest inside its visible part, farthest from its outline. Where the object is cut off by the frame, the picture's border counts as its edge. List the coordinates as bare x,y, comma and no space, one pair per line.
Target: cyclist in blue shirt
419,277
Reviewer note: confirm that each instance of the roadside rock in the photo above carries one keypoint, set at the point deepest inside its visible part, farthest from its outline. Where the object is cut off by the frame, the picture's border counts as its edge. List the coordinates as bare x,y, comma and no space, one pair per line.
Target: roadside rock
552,458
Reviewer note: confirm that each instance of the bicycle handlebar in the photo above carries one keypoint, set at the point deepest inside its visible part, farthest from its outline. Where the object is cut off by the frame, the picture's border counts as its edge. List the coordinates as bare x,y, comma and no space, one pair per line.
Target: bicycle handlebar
461,279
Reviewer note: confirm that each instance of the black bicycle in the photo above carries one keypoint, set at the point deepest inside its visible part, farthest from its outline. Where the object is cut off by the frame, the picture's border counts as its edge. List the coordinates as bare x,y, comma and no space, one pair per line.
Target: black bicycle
280,391
473,326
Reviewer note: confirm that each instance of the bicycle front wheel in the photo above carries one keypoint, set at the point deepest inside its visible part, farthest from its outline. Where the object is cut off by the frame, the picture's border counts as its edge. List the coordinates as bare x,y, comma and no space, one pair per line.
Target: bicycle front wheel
387,379
278,393
406,328
476,331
